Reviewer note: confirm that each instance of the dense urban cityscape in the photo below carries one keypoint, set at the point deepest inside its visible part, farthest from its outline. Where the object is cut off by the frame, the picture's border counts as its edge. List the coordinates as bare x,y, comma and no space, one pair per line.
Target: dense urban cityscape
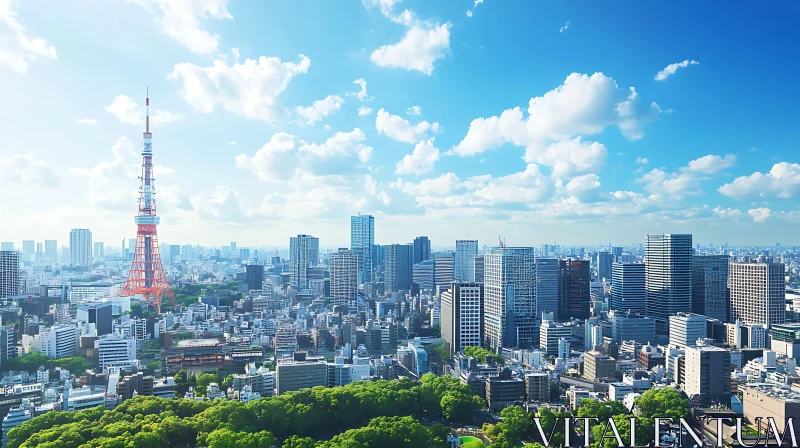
399,224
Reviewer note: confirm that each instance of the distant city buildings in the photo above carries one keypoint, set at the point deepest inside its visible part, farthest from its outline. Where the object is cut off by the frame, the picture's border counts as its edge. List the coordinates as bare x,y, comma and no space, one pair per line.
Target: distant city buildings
80,247
710,286
362,242
465,260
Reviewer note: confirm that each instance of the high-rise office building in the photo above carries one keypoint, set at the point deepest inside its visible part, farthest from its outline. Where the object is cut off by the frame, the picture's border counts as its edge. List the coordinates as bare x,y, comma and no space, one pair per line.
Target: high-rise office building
616,252
61,341
668,277
362,242
710,286
509,297
604,260
628,287
546,286
7,246
254,274
707,374
344,277
686,328
174,252
9,273
423,274
443,269
574,300
97,313
462,316
99,249
465,260
80,247
422,249
477,268
302,250
758,292
51,250
397,267
28,249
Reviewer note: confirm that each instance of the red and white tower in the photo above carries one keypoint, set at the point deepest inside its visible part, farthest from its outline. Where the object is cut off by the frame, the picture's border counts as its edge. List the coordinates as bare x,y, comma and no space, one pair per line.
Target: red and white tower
146,276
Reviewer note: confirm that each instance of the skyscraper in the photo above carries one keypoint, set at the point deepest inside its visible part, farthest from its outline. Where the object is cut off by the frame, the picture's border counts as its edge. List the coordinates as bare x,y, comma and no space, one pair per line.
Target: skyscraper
302,250
362,242
423,274
710,286
397,274
51,250
758,292
509,297
344,277
9,273
99,249
422,249
443,269
604,260
461,316
477,268
628,287
7,246
464,261
546,287
668,277
574,298
254,274
80,247
28,248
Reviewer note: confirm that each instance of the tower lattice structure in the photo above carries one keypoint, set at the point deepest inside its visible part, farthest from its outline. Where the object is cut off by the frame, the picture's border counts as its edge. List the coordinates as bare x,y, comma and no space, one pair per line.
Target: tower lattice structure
146,276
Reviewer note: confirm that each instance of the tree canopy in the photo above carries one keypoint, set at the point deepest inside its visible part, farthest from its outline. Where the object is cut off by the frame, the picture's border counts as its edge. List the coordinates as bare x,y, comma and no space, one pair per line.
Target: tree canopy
481,354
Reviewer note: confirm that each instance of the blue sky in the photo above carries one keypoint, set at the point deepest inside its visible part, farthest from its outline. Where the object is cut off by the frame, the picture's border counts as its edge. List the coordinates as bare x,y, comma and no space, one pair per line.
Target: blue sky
517,119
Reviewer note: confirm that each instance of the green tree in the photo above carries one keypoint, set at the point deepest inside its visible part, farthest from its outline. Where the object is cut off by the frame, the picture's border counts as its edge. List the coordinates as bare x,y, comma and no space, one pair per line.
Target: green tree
644,431
516,422
592,408
203,381
153,344
299,442
153,366
664,402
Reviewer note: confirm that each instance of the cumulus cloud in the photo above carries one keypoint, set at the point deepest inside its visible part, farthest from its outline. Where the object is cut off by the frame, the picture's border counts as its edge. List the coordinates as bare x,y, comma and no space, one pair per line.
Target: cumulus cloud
363,111
642,160
782,181
420,161
727,213
18,48
442,185
760,214
582,105
284,155
127,111
320,109
672,68
89,121
423,44
182,20
414,110
26,170
711,163
221,204
674,184
585,188
362,92
470,12
568,157
250,89
400,129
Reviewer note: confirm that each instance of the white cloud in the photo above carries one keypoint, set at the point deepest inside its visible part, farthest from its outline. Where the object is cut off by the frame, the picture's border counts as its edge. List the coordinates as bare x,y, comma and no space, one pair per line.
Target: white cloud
127,111
250,89
423,44
18,49
584,188
181,20
89,121
642,160
363,111
285,155
320,109
235,52
414,110
362,92
727,213
565,27
443,185
420,161
711,163
568,157
658,181
672,68
400,129
782,181
231,143
583,105
470,12
222,204
760,214
26,170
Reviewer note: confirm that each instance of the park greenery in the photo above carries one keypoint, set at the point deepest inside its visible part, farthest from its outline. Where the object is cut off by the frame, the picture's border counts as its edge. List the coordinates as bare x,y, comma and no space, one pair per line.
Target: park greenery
358,415
30,362
517,426
482,355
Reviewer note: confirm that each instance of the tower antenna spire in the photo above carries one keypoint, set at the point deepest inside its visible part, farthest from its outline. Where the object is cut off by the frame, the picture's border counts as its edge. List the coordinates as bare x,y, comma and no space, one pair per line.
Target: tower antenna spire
147,112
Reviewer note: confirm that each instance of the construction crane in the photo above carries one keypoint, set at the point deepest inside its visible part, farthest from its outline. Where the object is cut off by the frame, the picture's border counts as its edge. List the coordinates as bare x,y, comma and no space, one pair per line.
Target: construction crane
500,242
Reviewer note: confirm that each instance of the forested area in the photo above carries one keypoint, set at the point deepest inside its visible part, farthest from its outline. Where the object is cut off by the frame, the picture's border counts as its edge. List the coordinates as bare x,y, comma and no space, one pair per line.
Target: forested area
362,414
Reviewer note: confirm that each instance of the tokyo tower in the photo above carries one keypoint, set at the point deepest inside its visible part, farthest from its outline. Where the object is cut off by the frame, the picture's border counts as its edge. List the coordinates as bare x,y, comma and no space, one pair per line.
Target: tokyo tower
146,276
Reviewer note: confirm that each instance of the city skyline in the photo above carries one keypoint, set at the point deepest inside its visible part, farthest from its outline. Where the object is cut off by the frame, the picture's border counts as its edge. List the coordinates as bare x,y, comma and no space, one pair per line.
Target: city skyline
586,134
